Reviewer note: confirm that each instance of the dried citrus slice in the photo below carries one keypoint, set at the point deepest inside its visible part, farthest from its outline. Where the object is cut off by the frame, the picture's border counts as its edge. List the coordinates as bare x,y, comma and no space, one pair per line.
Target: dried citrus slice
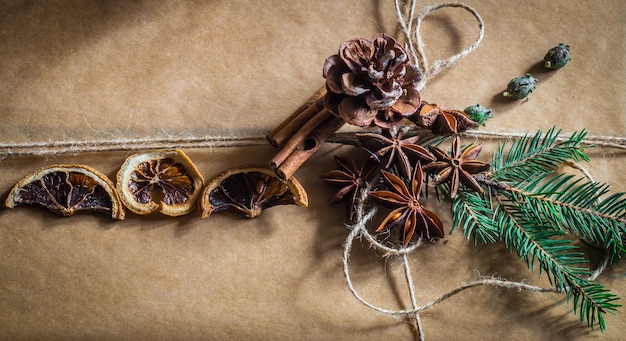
250,189
67,189
164,180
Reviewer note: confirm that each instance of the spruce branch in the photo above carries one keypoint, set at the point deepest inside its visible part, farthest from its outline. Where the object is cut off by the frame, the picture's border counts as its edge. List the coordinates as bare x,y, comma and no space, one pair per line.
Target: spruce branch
535,242
474,214
576,206
523,202
533,156
530,208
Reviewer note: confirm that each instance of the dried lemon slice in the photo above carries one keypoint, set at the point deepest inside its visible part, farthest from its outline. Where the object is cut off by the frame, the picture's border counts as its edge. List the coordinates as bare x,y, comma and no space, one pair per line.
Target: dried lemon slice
250,189
164,180
67,189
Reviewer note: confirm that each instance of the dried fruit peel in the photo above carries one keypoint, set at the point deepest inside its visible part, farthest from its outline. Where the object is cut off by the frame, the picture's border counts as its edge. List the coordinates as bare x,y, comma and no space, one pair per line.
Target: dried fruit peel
162,180
66,190
251,197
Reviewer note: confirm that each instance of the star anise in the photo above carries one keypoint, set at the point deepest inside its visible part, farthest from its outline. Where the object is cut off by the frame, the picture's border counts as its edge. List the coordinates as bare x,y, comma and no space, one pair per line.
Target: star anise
350,179
408,211
442,121
457,167
405,152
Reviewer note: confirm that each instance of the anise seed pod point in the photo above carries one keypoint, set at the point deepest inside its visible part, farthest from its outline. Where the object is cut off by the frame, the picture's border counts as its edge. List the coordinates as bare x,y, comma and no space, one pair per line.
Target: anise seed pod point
250,189
66,190
442,121
163,180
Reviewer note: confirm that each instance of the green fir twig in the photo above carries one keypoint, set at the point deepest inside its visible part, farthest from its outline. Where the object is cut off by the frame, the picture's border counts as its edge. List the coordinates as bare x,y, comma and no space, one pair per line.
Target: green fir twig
537,155
539,243
532,210
576,206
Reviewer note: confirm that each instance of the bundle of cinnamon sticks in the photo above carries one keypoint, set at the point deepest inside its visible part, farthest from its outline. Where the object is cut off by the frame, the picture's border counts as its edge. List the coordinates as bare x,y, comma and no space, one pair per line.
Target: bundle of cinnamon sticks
302,134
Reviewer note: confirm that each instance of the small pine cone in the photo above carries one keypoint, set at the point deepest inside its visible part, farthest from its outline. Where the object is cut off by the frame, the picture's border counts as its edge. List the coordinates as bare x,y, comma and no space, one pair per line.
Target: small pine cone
371,82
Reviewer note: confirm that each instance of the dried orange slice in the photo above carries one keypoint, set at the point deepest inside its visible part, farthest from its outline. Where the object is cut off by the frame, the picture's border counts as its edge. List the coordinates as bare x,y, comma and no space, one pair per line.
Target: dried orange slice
67,189
164,180
250,189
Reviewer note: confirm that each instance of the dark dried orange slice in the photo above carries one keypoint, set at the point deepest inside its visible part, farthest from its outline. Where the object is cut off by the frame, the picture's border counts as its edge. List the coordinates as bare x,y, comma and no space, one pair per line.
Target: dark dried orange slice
164,180
66,190
250,189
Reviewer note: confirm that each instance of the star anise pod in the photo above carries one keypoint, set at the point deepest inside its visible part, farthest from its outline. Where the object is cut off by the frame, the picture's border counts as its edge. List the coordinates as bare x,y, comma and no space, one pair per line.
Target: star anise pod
442,121
408,211
404,152
350,179
458,167
371,82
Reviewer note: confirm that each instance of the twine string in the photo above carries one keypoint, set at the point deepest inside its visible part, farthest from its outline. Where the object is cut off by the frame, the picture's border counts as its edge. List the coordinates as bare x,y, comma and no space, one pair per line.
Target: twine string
419,331
45,148
411,27
589,140
416,44
359,231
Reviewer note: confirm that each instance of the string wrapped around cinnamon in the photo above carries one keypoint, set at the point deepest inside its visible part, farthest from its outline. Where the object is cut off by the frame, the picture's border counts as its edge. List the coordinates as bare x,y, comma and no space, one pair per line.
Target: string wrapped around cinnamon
301,135
368,83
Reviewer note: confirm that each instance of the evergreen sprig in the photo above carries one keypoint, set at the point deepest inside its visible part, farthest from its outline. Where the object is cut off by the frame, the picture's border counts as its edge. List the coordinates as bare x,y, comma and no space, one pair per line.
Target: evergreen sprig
576,205
536,242
474,215
537,155
533,211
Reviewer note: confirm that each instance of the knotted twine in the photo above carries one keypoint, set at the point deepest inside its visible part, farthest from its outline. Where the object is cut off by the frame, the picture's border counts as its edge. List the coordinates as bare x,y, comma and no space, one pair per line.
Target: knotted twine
410,26
359,231
416,45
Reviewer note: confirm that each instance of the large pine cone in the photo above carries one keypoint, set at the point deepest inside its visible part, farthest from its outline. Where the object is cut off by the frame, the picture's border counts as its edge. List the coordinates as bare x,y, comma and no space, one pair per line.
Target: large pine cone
371,82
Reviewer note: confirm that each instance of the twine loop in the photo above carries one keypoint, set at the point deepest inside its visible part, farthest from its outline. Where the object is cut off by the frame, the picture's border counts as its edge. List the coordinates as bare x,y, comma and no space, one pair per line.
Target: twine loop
359,231
411,27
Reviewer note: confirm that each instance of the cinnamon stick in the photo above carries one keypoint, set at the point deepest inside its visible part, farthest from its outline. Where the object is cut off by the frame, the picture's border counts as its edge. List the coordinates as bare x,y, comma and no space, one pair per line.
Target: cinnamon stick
300,135
308,147
286,129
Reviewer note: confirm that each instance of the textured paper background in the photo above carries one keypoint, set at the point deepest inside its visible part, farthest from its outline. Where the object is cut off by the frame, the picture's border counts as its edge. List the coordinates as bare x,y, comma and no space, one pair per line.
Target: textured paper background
76,71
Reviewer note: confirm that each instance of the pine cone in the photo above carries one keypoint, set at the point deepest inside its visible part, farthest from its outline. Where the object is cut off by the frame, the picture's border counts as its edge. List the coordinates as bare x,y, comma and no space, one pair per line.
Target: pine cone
371,82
